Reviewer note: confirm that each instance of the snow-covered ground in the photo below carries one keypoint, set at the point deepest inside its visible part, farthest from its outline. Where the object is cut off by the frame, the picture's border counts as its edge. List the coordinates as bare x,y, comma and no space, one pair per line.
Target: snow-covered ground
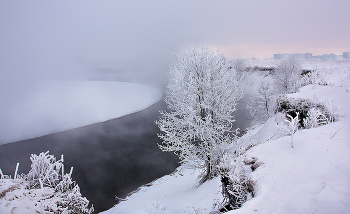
17,199
175,193
57,106
45,189
312,177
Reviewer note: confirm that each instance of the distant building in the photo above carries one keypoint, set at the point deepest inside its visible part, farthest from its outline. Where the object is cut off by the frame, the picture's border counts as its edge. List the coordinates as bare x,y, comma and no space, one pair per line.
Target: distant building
278,56
331,56
296,55
324,57
308,55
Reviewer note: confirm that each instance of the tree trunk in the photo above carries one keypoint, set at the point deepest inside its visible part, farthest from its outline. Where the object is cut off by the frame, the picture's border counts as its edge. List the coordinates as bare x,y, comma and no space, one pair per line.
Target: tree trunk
210,173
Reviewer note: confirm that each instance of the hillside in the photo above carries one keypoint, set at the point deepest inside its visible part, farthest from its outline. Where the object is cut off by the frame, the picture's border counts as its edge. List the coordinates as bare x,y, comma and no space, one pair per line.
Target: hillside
312,177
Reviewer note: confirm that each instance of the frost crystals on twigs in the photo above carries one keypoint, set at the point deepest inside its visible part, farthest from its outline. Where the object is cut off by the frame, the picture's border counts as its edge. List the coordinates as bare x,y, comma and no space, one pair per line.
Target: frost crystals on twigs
292,126
201,96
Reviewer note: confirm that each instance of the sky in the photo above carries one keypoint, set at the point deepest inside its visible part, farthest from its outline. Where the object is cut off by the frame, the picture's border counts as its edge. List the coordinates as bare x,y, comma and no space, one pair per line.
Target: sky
134,40
57,38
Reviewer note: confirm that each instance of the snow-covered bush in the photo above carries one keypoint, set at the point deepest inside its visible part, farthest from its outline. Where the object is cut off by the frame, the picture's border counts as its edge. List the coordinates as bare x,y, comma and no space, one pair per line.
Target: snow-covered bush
314,119
46,185
236,184
314,77
317,77
45,170
66,183
305,79
292,106
72,202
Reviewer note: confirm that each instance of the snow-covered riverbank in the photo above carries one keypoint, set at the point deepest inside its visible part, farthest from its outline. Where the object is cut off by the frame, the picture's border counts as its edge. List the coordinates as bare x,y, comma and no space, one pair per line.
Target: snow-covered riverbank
312,177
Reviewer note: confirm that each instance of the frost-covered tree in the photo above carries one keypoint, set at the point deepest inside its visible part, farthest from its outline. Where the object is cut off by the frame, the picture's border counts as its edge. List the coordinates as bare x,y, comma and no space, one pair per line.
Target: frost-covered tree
287,74
264,104
202,95
239,66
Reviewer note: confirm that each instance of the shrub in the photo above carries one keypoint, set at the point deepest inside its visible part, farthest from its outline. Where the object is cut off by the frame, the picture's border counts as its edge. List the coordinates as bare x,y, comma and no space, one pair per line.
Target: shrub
235,183
72,202
44,170
315,118
304,107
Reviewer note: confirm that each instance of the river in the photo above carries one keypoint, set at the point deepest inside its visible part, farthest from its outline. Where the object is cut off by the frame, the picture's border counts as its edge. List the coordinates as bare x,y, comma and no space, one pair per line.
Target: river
110,159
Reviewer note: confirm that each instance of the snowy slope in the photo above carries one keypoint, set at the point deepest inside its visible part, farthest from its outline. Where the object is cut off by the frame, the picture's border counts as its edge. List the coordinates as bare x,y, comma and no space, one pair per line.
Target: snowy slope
175,193
312,177
57,106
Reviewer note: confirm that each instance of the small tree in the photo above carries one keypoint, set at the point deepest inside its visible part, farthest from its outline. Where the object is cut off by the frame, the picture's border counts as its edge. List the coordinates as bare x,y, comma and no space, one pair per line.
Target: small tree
287,74
202,95
239,66
292,126
264,104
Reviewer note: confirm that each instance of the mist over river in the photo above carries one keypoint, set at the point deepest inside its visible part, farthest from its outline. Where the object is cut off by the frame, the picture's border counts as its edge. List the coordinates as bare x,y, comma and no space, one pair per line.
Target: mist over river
111,158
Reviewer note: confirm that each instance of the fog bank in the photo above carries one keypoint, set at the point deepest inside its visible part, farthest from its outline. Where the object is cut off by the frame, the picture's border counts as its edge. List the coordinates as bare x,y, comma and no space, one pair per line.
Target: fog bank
58,106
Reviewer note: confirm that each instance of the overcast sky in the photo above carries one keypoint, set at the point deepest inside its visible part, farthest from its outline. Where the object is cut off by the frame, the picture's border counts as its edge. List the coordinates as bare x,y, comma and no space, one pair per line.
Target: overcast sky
48,38
68,39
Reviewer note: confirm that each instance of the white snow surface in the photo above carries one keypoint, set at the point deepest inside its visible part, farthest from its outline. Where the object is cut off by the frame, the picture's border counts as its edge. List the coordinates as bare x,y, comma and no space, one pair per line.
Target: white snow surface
17,199
175,193
57,106
312,177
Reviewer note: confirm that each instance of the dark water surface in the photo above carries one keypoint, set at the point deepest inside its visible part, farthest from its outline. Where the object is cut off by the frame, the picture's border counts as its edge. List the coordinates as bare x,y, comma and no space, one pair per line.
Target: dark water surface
110,159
